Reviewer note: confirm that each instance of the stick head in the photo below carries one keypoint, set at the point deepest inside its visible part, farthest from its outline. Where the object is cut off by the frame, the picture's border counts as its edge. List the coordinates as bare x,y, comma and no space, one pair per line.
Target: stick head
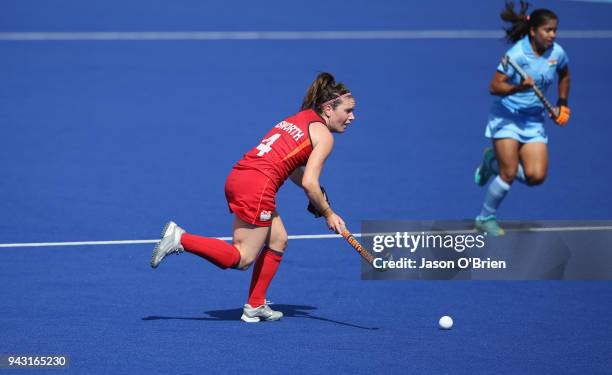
504,62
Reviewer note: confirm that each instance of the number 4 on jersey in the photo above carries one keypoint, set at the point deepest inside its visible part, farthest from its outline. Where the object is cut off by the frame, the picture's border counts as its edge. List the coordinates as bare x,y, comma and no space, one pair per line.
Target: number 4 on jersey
266,145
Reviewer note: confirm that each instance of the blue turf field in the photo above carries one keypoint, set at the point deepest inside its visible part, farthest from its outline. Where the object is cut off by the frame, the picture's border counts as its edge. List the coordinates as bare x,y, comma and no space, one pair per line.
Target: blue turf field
105,140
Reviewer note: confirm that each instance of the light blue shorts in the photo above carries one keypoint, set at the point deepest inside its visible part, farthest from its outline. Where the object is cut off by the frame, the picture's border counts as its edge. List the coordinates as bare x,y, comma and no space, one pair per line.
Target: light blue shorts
523,129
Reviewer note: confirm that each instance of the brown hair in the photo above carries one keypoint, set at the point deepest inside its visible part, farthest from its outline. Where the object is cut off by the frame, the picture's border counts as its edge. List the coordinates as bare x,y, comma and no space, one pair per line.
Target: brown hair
521,22
323,89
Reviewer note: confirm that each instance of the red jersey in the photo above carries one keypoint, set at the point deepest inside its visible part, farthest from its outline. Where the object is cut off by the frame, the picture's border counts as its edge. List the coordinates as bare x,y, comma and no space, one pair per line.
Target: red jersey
286,147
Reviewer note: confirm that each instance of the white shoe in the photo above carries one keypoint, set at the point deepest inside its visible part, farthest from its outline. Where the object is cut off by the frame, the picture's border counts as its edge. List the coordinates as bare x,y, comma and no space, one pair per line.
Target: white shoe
170,243
252,314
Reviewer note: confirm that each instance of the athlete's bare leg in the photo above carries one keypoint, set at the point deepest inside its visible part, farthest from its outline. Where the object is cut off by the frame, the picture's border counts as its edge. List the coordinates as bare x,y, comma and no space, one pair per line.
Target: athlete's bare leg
249,239
507,154
534,157
277,237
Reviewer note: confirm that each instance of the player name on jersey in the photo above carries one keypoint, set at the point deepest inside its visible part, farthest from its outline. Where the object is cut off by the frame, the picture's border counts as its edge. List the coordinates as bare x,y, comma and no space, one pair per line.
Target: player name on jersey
290,128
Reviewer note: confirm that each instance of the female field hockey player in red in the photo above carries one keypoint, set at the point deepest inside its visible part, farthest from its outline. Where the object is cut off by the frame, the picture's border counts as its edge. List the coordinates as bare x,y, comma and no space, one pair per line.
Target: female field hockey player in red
295,148
516,119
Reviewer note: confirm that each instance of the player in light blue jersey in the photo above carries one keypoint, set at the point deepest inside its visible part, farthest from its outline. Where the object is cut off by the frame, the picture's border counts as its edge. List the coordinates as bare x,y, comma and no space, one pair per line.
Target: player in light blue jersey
516,118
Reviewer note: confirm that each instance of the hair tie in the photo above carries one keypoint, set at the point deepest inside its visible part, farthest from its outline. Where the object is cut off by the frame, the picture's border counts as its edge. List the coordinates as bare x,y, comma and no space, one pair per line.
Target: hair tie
334,99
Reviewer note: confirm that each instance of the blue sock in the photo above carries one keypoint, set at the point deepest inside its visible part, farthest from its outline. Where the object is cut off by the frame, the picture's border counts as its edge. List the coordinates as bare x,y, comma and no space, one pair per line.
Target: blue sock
496,192
520,172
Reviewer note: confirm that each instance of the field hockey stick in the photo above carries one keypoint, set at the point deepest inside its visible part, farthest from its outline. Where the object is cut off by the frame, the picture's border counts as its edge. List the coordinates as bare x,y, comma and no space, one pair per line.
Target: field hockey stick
506,60
365,254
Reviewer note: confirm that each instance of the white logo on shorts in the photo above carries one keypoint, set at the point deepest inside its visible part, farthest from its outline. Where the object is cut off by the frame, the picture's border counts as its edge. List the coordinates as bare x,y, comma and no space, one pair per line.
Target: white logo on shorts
265,215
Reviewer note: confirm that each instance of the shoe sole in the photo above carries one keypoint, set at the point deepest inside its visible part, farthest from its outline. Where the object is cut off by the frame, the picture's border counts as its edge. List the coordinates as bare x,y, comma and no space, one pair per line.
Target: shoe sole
256,319
247,319
478,179
156,248
498,234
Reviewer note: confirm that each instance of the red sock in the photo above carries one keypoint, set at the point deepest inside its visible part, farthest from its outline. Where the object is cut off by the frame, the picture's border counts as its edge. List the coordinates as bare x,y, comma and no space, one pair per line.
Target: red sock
218,252
264,271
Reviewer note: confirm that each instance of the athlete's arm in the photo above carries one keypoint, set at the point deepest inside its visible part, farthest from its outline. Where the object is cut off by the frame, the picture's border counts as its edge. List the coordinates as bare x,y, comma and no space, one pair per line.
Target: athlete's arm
564,86
297,176
323,143
500,87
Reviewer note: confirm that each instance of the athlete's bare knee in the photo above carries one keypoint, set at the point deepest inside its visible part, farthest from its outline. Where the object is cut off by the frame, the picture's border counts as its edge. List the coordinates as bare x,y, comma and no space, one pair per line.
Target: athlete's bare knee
535,178
246,257
279,243
508,174
245,263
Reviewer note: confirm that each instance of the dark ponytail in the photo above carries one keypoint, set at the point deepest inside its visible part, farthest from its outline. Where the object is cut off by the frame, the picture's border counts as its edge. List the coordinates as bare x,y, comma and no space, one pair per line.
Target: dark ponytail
323,89
521,22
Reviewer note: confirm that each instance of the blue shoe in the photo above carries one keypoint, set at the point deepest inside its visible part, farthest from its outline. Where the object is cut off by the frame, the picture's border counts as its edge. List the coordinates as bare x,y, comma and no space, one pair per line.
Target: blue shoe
484,170
489,226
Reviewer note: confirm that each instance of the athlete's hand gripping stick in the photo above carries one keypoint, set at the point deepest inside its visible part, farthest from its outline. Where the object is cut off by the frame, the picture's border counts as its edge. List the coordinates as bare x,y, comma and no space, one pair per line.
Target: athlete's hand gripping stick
554,111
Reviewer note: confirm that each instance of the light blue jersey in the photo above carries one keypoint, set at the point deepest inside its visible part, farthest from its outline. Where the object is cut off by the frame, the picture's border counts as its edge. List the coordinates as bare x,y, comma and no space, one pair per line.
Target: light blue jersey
521,115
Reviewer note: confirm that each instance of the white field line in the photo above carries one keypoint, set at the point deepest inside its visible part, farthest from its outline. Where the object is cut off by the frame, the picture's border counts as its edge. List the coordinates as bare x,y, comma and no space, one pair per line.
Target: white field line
301,237
138,242
281,35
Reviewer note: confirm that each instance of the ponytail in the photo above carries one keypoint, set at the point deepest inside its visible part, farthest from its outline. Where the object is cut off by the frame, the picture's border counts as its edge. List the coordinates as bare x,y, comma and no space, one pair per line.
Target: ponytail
322,90
521,22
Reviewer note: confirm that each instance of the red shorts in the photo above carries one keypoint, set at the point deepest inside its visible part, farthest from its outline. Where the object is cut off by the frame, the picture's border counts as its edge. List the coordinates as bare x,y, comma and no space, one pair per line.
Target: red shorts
251,196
